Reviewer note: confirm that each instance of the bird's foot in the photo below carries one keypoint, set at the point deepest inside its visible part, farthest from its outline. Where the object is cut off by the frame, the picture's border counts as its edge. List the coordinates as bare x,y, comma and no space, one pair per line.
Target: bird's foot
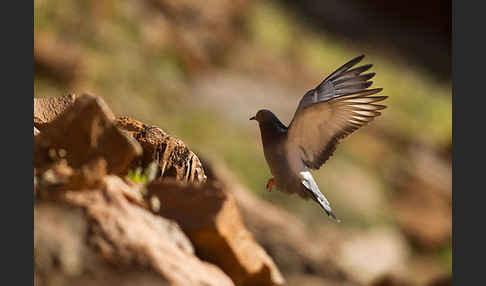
270,184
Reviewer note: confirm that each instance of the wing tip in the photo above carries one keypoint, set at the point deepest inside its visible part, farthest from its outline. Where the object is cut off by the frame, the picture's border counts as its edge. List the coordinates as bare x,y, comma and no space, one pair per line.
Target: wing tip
378,89
369,76
354,61
371,91
365,67
360,57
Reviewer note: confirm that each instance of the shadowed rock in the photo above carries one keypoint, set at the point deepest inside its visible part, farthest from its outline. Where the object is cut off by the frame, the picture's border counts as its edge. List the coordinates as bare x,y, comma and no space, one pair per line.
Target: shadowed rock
209,216
112,242
85,132
56,58
170,153
328,255
423,201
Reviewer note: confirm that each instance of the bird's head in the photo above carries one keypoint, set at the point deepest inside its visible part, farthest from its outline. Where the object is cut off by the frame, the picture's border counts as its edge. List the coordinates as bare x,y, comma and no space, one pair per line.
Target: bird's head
268,122
264,116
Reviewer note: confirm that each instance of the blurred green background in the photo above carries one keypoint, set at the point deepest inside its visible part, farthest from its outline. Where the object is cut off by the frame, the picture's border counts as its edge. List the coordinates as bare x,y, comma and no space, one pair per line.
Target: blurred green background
200,69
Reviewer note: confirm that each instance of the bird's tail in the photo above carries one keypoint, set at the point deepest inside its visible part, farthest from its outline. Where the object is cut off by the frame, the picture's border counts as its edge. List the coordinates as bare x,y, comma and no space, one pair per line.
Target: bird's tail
311,186
326,207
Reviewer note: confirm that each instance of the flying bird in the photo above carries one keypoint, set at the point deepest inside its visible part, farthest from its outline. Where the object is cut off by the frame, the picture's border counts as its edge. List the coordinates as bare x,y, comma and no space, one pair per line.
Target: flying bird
338,106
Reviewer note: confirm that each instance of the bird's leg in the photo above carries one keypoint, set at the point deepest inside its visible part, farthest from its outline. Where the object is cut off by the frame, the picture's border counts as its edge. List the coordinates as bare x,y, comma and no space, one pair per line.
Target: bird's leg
270,184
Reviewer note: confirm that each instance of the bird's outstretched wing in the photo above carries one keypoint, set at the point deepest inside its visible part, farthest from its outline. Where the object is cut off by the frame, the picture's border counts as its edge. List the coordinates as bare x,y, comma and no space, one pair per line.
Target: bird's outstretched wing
338,106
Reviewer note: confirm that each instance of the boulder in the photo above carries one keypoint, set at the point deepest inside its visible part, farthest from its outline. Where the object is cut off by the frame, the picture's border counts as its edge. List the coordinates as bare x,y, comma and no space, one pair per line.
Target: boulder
423,203
336,254
367,256
169,152
314,280
85,132
56,58
445,280
202,41
99,237
47,109
208,214
284,236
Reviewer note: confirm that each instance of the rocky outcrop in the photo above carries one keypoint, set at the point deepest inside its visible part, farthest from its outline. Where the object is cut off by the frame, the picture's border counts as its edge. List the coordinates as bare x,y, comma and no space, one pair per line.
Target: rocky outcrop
95,226
99,237
48,109
218,233
423,205
56,58
327,255
169,152
85,132
201,40
191,223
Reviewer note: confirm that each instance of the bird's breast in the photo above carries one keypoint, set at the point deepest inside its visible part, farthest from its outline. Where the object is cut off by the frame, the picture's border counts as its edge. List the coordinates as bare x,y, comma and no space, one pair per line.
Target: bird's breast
285,178
275,156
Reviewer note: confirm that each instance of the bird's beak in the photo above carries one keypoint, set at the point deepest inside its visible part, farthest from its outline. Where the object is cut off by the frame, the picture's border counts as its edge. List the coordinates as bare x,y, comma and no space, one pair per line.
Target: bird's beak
252,118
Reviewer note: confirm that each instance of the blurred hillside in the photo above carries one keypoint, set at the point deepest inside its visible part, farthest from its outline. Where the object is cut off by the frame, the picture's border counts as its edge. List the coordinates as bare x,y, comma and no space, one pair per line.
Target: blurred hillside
200,69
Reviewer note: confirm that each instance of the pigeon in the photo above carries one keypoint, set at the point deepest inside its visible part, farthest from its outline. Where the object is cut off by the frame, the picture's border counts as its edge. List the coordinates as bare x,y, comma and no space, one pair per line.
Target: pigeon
338,106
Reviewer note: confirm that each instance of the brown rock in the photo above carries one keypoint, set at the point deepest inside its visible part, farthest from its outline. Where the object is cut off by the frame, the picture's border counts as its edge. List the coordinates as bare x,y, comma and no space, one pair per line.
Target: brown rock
112,242
129,124
170,153
366,256
314,280
56,59
281,233
423,204
426,269
203,40
36,131
60,176
62,255
441,281
85,132
47,109
286,238
388,280
330,255
209,216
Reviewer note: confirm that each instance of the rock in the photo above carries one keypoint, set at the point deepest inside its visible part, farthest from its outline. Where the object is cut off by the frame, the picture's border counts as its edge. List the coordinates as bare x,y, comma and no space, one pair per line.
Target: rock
47,109
129,124
85,132
423,204
56,59
208,214
367,256
314,280
60,177
284,236
99,237
62,255
425,269
388,280
170,153
204,40
36,131
441,281
330,255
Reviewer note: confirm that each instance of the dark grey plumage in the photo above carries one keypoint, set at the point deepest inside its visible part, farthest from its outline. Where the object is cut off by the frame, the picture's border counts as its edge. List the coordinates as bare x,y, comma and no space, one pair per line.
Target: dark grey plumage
338,106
